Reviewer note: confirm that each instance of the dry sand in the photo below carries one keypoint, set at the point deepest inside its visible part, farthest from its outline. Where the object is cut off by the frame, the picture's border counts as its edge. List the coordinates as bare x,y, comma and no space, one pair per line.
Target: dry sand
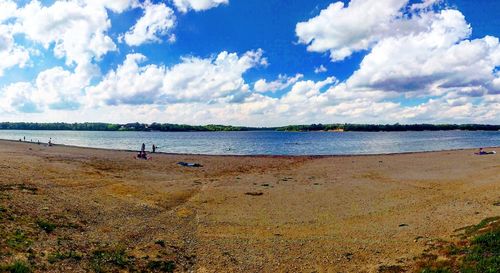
237,213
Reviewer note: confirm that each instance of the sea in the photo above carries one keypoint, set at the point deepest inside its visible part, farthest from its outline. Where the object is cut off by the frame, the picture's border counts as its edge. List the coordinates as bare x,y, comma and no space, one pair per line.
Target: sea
267,142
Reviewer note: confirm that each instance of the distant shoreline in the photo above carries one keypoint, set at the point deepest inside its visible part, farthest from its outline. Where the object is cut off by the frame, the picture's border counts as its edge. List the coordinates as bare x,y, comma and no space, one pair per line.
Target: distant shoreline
167,127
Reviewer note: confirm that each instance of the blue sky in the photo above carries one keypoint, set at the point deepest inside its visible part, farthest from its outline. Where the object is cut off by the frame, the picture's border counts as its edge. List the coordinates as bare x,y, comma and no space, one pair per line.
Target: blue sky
269,46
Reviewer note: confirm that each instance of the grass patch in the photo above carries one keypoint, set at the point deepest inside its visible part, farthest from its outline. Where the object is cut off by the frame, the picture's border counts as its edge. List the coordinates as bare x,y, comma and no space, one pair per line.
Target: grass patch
61,256
437,270
46,225
104,260
484,253
19,240
29,188
471,230
2,211
16,267
22,187
478,252
161,266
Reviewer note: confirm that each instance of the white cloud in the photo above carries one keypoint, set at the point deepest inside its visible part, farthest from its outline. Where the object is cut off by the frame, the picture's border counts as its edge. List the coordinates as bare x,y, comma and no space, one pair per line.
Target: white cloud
11,54
320,69
443,110
198,5
157,21
279,84
7,9
57,88
18,98
117,6
306,103
129,84
425,4
76,29
53,89
427,54
342,30
192,80
432,62
210,79
306,91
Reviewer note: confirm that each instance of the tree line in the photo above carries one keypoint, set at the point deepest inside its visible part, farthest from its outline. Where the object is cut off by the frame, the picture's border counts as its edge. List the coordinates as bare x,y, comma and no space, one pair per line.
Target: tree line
142,127
388,127
167,127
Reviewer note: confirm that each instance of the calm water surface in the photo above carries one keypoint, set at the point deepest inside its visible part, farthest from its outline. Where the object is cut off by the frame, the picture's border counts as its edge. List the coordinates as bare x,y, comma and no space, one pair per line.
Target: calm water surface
269,142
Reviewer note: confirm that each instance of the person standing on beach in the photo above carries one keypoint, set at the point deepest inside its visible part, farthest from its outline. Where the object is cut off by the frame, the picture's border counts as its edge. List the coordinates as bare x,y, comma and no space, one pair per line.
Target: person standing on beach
143,148
153,149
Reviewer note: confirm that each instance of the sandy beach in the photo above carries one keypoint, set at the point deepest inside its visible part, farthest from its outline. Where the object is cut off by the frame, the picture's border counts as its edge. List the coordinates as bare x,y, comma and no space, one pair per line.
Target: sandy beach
236,213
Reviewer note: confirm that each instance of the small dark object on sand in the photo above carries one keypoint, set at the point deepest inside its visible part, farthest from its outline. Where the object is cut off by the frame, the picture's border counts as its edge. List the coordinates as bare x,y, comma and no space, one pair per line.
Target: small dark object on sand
348,256
191,165
497,204
254,193
403,225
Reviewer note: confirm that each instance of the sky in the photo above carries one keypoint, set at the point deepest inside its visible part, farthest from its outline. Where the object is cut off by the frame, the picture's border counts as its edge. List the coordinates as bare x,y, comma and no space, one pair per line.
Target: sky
251,63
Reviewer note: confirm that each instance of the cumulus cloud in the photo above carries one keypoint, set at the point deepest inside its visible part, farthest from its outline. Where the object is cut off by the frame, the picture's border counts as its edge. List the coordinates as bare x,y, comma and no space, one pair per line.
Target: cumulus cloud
443,110
283,82
129,84
57,88
431,62
193,80
412,50
342,30
7,9
197,5
18,98
76,29
320,69
157,21
117,6
11,54
53,89
425,4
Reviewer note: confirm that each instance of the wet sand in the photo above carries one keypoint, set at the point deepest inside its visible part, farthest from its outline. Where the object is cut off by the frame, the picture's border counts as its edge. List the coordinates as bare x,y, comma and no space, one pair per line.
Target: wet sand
239,213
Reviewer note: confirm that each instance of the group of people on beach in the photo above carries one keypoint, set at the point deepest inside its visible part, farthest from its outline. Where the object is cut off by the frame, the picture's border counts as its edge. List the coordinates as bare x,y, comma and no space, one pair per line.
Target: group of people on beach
142,154
37,142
